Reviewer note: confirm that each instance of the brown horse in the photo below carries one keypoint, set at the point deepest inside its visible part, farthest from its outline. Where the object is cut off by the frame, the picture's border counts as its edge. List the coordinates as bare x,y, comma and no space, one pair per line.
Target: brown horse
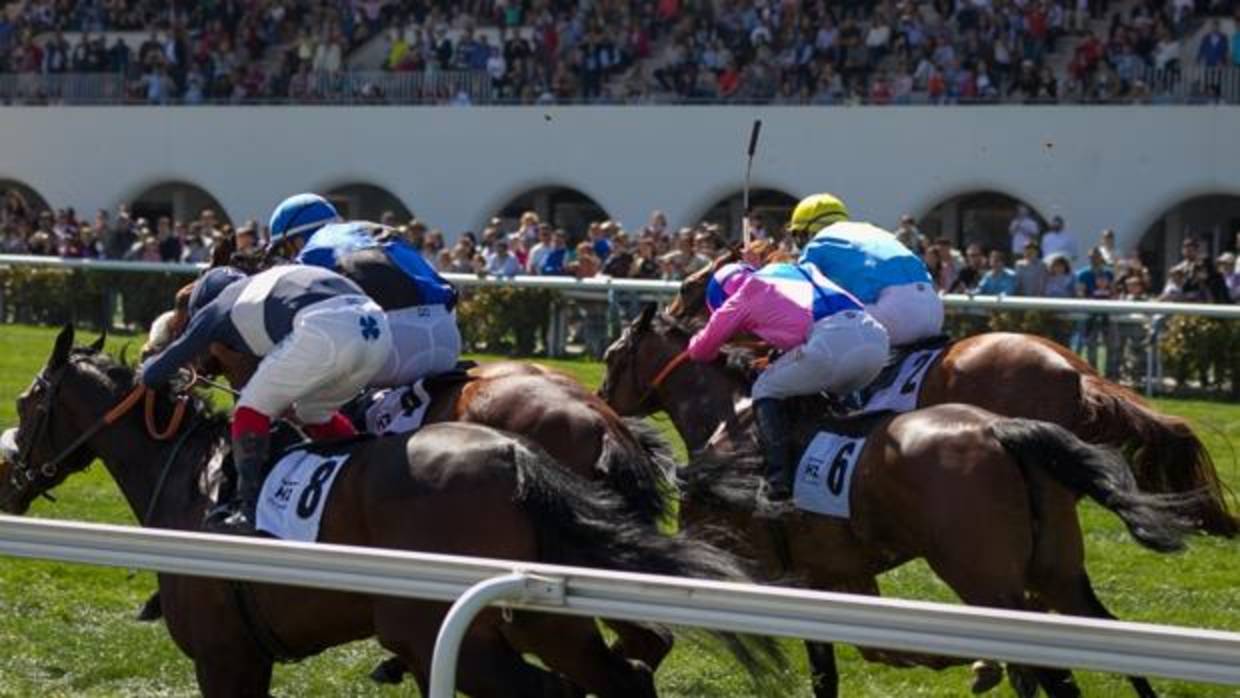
989,502
462,489
1021,375
551,408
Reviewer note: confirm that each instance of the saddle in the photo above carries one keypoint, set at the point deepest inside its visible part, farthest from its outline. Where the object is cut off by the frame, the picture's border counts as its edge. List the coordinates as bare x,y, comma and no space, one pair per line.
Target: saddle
404,406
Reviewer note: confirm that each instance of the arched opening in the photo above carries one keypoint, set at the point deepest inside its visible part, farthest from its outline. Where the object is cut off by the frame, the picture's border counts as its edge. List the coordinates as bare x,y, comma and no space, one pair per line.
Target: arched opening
562,207
369,202
180,201
19,202
1214,219
983,217
771,206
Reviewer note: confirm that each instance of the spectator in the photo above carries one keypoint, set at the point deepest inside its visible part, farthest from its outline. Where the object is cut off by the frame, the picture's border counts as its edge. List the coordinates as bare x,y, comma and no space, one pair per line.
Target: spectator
909,235
619,264
541,248
1173,290
1096,282
970,274
1057,240
1031,272
1214,48
645,262
1106,245
556,261
586,264
684,259
1228,269
1023,229
998,280
120,237
1060,282
501,263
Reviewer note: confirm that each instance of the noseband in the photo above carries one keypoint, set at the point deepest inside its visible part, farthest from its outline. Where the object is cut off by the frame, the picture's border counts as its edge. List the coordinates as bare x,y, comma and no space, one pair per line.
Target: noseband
23,468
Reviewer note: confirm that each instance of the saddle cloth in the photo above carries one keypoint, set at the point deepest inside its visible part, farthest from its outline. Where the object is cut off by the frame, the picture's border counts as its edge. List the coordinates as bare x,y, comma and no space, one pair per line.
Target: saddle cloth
824,475
898,385
295,492
403,409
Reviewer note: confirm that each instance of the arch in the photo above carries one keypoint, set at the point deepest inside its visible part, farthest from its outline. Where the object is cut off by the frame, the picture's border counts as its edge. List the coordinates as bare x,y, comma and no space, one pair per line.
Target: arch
773,206
365,201
30,199
177,199
562,206
1213,218
980,215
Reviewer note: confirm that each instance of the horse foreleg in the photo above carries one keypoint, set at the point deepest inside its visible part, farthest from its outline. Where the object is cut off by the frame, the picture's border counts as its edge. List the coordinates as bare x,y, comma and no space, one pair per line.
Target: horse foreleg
824,676
229,672
575,648
644,643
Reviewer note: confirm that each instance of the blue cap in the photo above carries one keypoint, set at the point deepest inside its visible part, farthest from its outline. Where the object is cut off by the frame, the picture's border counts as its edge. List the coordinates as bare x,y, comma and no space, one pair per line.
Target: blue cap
209,286
301,214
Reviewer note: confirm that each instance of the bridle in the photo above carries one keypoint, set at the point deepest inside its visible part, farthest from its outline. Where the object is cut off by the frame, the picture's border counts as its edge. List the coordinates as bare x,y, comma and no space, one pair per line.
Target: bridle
25,472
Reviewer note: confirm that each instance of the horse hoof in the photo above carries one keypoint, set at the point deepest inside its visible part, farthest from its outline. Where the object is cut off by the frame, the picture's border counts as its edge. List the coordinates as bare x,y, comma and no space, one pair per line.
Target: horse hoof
151,611
986,675
390,672
1023,681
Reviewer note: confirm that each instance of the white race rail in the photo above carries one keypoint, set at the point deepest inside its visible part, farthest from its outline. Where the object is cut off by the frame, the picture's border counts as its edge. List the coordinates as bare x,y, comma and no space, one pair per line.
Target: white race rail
1127,648
600,287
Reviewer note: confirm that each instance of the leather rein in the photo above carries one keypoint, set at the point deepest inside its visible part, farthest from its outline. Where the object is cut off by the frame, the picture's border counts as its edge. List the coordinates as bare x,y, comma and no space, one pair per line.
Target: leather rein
111,417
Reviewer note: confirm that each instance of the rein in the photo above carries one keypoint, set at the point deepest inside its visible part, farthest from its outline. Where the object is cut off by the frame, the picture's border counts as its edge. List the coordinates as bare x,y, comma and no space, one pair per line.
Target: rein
668,369
110,418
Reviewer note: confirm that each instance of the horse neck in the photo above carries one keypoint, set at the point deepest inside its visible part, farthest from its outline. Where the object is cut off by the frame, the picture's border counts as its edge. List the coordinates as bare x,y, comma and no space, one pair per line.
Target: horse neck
700,400
135,461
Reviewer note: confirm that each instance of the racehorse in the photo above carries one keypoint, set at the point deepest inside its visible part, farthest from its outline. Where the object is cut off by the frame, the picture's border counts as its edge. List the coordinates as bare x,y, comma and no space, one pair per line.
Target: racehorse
555,411
988,501
462,489
1022,375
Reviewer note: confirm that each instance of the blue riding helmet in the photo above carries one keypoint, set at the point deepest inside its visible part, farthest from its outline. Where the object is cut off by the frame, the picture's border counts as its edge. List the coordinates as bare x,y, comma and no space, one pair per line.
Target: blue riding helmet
301,214
724,282
210,285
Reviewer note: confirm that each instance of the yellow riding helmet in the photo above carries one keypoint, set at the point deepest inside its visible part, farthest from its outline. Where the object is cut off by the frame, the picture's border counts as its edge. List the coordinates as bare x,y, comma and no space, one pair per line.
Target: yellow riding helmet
816,212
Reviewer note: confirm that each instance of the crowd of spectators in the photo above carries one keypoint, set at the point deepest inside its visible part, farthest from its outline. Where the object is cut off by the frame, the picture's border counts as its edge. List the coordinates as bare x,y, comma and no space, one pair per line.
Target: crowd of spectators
884,51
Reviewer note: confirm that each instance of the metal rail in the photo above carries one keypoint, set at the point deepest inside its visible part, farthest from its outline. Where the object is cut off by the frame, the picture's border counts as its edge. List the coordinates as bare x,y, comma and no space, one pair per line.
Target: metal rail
600,287
1127,648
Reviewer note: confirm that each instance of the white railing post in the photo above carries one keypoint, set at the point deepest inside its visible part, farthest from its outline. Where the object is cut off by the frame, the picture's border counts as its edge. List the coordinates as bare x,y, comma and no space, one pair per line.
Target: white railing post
456,624
517,586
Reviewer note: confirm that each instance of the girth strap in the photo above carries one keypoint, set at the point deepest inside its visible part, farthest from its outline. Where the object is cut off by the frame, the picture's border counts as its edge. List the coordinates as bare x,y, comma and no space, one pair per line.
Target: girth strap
260,631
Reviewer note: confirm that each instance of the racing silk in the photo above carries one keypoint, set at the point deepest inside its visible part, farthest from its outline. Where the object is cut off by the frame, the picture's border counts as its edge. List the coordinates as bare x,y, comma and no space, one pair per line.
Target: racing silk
779,303
864,259
392,273
251,316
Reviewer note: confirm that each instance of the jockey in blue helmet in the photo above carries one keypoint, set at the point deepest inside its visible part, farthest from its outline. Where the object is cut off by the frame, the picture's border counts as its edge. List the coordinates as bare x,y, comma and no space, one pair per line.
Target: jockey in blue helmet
417,300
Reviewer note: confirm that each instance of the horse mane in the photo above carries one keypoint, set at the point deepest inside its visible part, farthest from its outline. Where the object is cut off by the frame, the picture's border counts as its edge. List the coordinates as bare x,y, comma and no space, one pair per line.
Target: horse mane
121,376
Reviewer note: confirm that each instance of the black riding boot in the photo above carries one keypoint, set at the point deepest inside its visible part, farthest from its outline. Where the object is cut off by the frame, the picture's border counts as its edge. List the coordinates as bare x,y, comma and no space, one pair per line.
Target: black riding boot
249,455
775,438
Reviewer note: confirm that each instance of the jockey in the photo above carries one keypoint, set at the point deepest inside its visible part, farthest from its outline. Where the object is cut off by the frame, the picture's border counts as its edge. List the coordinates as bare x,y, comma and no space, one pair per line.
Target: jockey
418,301
871,264
829,342
321,341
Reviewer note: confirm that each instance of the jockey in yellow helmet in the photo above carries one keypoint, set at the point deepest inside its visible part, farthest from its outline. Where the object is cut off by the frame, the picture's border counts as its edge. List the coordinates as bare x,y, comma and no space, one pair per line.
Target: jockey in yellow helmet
872,265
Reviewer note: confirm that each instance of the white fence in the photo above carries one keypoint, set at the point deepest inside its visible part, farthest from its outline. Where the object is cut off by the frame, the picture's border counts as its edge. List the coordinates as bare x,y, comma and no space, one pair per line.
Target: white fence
608,290
1127,648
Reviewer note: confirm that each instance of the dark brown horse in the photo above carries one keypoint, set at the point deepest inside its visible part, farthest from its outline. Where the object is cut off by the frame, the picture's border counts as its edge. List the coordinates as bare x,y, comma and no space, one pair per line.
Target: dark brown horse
989,502
1021,375
461,489
551,408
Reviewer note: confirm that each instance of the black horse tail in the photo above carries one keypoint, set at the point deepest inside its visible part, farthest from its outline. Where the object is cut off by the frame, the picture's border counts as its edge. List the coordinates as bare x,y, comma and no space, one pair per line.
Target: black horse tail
1166,455
641,466
1100,474
587,524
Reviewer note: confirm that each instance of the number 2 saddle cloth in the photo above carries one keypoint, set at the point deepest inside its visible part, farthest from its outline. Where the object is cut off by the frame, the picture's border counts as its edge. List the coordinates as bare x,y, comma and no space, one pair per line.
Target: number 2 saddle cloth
824,474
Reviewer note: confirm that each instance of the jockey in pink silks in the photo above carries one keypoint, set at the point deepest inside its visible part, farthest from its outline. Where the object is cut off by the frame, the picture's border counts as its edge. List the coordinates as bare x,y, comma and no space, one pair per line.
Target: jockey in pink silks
829,344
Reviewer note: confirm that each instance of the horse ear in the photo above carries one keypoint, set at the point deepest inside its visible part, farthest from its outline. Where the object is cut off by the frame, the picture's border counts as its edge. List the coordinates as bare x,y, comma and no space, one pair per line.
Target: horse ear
647,316
64,343
97,345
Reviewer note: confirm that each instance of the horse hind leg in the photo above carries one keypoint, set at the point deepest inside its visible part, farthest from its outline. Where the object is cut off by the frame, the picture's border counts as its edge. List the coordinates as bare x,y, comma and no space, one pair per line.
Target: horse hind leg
1075,596
644,643
575,648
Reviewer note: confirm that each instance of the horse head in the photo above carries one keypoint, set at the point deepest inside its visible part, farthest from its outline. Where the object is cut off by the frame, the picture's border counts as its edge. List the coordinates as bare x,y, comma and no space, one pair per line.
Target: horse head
690,302
634,360
60,404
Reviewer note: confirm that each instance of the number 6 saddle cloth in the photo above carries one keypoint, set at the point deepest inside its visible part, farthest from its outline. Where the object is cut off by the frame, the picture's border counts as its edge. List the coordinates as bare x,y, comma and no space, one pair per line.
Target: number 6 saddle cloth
296,489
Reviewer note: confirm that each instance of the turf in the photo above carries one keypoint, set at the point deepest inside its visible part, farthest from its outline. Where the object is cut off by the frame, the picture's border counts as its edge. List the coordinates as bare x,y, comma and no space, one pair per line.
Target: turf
66,630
